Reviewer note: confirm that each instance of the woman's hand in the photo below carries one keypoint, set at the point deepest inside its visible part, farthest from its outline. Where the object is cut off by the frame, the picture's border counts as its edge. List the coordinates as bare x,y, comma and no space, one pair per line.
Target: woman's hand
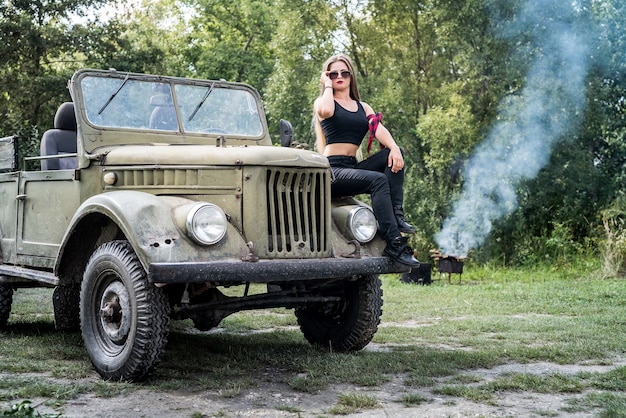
395,160
325,79
324,105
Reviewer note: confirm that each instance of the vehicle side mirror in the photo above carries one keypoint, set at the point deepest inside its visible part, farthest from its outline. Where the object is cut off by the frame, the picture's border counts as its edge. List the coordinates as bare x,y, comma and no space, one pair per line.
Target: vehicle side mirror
8,153
286,133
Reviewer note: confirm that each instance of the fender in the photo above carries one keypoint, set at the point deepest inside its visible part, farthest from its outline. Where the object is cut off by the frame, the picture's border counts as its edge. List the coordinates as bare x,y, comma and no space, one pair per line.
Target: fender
147,221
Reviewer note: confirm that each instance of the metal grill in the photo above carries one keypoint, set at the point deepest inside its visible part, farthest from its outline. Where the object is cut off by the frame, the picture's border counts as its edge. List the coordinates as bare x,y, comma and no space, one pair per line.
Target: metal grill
297,216
157,178
182,179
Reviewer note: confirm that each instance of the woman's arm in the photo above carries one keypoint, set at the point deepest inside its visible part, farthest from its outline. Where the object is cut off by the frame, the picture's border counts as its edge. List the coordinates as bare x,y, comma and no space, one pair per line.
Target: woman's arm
395,161
324,105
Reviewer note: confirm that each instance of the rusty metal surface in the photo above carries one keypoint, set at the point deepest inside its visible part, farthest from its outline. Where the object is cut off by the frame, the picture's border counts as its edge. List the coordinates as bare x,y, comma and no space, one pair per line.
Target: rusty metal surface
265,271
450,265
446,263
17,274
8,153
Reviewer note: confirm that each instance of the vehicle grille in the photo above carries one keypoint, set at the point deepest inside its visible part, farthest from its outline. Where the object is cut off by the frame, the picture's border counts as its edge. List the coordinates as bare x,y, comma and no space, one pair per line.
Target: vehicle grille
297,213
167,180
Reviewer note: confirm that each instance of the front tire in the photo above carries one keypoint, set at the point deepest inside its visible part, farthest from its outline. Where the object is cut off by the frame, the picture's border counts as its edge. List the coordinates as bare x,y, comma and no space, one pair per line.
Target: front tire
350,324
6,300
124,318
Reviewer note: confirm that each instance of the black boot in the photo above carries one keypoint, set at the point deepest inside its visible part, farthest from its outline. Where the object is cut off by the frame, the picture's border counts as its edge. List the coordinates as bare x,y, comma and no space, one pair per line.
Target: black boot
398,250
403,225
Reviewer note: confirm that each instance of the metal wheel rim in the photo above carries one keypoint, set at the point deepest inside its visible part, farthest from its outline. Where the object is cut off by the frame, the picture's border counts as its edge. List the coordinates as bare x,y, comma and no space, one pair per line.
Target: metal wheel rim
115,313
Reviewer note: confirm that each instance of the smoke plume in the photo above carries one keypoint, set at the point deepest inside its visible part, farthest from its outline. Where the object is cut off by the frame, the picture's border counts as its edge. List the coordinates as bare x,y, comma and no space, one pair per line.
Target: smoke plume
529,123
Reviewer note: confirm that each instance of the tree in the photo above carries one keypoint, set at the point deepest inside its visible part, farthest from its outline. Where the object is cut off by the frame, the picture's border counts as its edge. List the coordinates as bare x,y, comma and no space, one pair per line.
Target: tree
230,40
303,40
438,70
37,55
433,70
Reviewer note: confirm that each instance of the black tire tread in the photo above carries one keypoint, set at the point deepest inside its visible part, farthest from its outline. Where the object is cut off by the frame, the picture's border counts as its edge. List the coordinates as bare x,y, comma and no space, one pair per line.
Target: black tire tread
6,300
357,329
152,320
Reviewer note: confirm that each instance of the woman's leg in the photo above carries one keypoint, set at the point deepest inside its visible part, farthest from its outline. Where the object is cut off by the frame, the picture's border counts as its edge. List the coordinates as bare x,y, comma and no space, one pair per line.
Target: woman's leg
350,182
378,162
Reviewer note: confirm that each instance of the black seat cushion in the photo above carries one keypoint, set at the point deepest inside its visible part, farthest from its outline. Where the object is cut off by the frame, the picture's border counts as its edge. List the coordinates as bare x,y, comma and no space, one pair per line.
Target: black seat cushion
60,140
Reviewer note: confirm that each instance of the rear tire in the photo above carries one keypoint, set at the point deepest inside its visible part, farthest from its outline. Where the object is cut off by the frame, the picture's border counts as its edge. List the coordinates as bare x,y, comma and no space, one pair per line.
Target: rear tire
124,318
350,324
6,300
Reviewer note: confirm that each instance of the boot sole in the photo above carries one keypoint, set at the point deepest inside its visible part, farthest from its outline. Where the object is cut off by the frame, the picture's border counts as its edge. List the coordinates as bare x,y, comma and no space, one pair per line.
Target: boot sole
397,260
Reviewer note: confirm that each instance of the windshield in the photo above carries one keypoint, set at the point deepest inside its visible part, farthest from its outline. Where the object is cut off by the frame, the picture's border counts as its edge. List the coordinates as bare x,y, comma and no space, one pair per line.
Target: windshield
171,106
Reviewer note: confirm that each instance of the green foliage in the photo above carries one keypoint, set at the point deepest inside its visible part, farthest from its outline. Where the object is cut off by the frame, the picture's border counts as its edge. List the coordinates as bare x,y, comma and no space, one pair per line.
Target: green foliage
26,409
447,131
38,46
436,69
614,244
230,40
301,43
350,403
22,409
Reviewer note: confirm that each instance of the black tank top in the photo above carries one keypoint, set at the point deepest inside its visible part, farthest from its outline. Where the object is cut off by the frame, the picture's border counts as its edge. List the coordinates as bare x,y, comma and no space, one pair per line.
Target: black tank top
345,126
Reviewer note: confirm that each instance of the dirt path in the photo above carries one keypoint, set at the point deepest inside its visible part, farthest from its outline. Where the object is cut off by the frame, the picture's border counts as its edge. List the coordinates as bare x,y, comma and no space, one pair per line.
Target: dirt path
279,400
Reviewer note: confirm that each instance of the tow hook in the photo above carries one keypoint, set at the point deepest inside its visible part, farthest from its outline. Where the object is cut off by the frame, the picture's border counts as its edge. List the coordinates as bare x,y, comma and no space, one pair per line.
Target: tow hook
251,257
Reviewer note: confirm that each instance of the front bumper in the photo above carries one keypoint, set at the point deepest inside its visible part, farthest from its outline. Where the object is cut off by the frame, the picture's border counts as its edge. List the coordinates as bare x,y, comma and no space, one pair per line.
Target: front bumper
266,271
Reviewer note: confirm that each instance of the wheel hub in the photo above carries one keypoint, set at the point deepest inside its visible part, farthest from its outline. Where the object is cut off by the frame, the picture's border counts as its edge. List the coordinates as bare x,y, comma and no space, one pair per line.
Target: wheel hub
112,311
115,312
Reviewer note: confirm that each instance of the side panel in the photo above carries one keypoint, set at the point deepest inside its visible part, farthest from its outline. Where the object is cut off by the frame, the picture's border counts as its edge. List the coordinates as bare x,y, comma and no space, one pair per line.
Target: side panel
8,153
48,202
148,222
8,215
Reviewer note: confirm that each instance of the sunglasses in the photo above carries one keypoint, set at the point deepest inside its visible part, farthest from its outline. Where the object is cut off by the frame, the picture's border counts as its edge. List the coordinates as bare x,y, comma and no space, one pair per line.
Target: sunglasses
344,74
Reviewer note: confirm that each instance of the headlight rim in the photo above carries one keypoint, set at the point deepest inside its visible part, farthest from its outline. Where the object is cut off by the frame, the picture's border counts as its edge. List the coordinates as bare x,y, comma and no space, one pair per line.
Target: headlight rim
352,228
189,223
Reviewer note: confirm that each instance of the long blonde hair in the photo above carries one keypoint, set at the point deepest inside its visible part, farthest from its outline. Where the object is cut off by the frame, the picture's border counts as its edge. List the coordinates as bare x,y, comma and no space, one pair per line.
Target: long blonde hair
320,139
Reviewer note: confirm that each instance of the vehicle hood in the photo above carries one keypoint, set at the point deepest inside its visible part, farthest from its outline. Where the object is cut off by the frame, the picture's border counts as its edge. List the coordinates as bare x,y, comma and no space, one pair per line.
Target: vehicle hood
168,155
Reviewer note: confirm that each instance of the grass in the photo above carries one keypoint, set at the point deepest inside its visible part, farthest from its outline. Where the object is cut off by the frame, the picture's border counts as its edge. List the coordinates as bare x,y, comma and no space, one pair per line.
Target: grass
430,336
350,403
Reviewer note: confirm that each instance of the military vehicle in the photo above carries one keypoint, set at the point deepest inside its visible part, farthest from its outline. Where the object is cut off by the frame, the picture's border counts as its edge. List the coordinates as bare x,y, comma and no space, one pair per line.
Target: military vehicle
161,198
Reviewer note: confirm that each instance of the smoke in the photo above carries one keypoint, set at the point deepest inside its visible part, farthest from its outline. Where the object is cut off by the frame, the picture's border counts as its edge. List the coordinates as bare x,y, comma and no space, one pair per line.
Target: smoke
529,123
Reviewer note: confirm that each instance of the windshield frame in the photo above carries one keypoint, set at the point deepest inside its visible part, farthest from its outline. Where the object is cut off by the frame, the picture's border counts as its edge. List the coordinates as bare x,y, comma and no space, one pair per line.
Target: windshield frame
223,100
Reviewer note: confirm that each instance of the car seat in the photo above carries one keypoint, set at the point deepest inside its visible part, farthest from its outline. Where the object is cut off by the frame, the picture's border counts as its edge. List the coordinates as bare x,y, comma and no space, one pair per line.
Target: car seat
60,140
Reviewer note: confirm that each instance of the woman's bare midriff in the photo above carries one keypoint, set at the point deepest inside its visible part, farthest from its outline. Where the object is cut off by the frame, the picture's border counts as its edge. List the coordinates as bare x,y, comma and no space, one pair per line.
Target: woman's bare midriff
344,149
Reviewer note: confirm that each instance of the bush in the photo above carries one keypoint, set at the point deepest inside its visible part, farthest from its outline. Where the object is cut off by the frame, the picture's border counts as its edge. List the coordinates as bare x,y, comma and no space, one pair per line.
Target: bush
614,247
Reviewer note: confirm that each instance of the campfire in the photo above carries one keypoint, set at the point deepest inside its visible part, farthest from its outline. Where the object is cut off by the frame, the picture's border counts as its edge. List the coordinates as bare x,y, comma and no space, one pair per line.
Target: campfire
447,264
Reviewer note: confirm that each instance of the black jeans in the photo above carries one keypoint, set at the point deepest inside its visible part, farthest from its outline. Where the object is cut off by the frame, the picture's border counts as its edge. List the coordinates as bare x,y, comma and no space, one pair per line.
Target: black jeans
374,177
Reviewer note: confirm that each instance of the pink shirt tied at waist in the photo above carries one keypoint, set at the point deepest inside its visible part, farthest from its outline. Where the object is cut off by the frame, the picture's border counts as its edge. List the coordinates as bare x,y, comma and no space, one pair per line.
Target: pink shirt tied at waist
374,119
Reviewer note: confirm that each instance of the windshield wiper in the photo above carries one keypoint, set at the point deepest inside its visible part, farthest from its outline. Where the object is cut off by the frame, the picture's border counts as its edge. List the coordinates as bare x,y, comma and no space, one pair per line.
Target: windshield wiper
206,96
104,106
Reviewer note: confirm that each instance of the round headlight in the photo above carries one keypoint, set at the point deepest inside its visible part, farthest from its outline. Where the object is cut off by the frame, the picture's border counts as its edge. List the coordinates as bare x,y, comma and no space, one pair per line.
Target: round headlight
362,224
206,223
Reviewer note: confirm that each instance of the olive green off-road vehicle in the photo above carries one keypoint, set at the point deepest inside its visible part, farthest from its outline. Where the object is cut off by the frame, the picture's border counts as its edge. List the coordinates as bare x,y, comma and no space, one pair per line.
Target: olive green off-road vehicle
154,194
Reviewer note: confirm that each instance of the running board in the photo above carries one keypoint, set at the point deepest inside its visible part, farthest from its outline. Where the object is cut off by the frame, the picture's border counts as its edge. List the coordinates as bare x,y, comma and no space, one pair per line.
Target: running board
16,274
